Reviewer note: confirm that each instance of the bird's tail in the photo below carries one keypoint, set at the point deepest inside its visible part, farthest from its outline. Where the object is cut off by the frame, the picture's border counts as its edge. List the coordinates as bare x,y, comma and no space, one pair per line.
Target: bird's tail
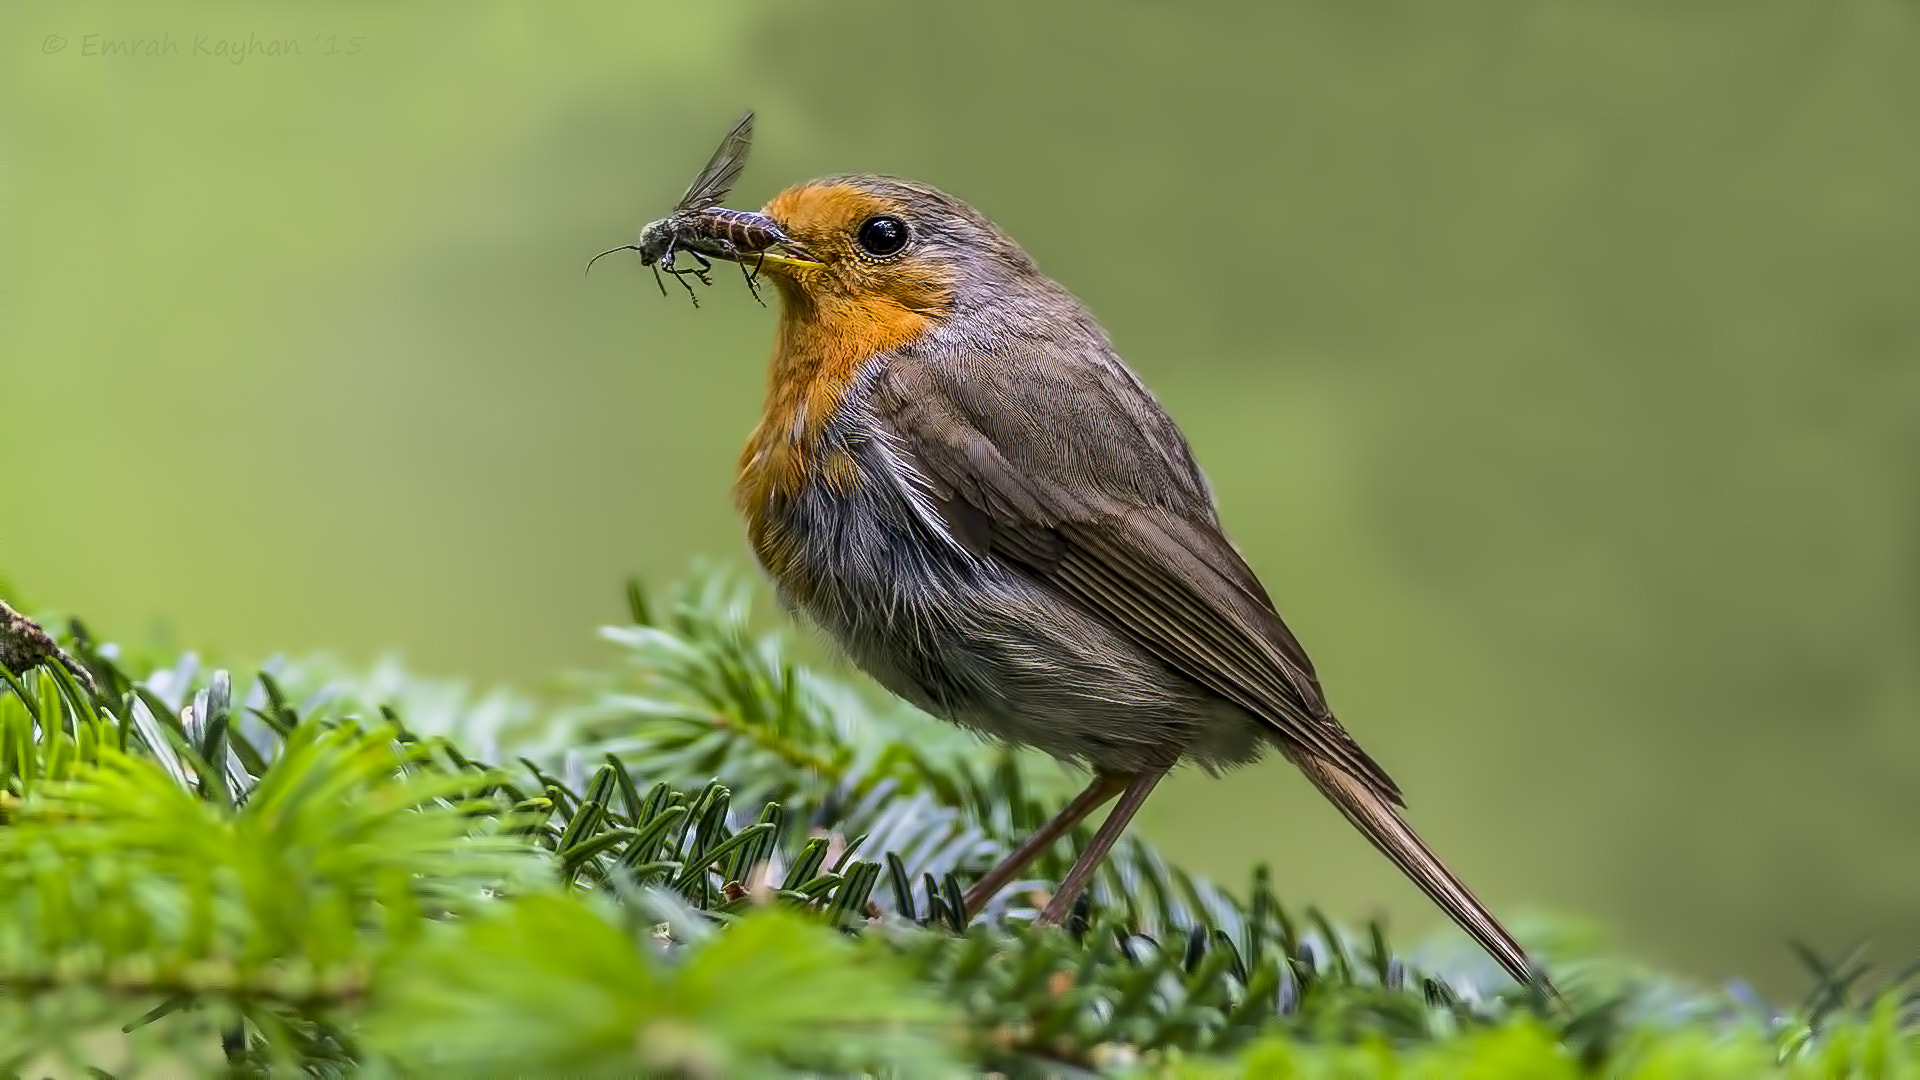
1382,824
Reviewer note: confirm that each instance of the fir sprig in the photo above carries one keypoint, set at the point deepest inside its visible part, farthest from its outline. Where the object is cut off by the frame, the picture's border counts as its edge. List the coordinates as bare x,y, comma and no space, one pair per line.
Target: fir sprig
706,860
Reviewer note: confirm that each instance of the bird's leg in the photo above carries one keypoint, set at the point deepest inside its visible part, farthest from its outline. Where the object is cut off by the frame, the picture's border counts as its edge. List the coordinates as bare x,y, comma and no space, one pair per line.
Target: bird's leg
1103,787
1077,878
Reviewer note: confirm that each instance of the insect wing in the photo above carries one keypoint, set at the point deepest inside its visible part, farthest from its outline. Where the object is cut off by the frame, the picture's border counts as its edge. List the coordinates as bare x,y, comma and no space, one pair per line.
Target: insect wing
722,169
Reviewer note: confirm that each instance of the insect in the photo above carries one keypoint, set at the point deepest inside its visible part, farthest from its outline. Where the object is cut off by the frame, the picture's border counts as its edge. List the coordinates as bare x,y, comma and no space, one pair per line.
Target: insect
699,227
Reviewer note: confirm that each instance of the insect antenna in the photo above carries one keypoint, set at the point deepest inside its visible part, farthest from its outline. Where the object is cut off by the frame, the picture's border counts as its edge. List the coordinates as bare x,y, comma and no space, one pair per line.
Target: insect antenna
609,251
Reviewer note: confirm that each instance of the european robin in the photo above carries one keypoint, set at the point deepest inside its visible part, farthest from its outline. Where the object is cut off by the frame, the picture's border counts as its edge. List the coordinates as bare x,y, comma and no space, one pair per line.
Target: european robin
959,480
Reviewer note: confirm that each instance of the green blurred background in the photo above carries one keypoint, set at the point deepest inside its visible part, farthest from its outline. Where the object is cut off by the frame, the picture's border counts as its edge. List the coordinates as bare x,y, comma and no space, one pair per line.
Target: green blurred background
1555,364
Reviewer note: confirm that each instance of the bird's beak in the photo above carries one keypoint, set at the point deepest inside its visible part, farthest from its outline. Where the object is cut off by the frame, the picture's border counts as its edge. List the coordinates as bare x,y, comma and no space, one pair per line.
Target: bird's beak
796,258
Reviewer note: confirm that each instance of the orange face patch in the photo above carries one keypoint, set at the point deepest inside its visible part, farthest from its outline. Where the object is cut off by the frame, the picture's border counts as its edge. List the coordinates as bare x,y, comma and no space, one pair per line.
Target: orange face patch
833,318
826,218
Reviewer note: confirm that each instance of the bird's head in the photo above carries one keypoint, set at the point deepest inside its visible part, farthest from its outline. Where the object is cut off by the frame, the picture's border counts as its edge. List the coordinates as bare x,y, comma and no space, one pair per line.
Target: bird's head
889,245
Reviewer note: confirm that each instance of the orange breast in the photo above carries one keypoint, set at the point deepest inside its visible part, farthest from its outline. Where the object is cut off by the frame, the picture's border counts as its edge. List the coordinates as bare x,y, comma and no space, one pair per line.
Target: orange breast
820,347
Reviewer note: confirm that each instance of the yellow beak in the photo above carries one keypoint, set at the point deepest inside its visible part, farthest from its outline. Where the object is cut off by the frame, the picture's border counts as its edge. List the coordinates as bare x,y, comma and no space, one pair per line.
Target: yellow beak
797,260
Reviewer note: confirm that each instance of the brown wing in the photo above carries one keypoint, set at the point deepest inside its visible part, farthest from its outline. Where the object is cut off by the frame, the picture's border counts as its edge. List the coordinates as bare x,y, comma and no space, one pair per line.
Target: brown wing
1072,474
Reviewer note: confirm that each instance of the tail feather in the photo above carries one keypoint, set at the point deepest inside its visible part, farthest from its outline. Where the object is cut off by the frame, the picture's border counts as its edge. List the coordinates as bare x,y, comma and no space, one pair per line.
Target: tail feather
1374,816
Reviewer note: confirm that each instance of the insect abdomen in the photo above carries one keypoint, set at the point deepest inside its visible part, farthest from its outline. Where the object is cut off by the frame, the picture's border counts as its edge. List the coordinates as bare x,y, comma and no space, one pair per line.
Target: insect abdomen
746,230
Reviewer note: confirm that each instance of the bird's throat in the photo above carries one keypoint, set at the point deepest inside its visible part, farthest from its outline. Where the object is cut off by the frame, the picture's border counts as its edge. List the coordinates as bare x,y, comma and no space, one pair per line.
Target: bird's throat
819,351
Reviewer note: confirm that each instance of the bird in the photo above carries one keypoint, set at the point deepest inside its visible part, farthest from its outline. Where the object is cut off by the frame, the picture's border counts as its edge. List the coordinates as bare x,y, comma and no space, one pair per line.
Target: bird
957,478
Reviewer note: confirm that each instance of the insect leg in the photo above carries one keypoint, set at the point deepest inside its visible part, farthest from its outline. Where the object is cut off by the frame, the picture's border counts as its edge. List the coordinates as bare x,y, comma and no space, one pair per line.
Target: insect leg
727,249
751,275
679,273
704,267
680,276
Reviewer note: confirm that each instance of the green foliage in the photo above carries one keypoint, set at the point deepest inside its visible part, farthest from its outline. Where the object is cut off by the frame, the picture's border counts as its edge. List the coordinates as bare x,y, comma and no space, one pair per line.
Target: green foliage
705,861
565,984
1863,1045
1554,363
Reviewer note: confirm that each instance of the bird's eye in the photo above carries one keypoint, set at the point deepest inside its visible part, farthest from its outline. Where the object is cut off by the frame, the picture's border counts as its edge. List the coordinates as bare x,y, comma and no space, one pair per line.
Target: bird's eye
882,236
